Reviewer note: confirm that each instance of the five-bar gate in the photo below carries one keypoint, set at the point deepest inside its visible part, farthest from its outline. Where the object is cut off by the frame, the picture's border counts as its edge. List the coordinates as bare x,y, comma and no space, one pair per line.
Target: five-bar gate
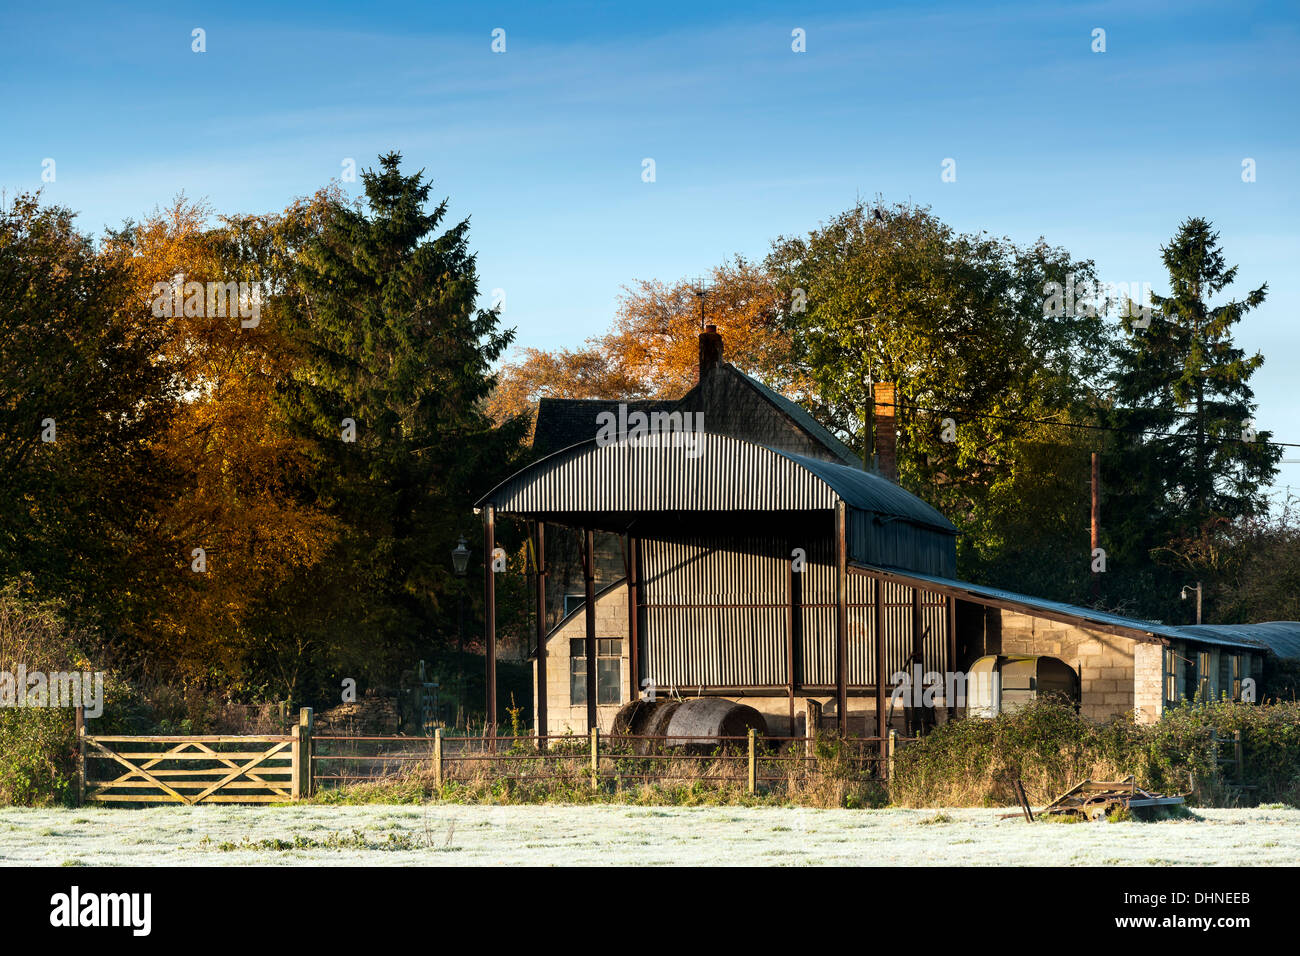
195,769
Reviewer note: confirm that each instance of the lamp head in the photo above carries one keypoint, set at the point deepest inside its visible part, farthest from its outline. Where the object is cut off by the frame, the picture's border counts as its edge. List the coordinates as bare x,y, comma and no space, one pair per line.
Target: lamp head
460,556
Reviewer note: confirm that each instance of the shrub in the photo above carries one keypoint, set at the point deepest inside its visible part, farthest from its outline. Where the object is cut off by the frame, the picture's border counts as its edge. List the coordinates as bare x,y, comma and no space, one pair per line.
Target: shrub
37,756
1049,747
37,765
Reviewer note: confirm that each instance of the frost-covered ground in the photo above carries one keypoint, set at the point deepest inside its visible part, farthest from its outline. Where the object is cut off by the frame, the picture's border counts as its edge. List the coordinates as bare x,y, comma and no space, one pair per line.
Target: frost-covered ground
550,835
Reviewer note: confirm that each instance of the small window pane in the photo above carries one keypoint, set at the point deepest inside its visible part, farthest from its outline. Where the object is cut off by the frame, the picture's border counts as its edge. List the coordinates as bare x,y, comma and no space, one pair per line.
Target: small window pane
578,681
577,647
609,689
608,647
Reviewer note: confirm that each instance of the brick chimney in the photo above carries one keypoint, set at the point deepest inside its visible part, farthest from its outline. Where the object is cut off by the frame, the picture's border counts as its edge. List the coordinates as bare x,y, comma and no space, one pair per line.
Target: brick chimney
710,349
886,431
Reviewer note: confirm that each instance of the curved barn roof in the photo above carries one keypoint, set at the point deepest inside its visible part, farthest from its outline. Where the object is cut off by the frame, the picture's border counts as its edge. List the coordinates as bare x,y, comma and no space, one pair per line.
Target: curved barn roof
868,491
727,474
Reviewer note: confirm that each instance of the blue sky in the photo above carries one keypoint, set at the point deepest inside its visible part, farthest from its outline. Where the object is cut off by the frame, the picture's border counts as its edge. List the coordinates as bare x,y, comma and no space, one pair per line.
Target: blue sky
1103,153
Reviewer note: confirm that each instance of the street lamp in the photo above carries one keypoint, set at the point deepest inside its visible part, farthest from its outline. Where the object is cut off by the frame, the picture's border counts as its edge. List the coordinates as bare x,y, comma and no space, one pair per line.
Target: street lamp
460,557
459,561
1183,594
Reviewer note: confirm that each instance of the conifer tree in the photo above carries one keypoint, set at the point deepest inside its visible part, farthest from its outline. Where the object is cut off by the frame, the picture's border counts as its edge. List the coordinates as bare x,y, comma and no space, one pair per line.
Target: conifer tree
1187,452
393,370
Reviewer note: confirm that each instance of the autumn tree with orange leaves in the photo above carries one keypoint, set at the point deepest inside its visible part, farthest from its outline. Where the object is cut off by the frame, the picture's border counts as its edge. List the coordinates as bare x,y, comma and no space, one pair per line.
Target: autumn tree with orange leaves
652,350
232,531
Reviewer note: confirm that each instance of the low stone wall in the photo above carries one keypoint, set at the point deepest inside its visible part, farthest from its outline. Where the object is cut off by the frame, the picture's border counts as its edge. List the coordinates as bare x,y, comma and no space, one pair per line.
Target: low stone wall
367,717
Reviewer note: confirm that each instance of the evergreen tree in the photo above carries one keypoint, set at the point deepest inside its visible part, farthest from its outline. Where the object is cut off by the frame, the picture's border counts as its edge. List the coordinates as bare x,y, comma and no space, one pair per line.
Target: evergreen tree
392,345
1186,454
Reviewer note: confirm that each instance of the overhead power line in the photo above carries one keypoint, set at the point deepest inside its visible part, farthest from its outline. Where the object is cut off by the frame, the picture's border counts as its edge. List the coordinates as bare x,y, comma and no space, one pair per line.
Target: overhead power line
1106,428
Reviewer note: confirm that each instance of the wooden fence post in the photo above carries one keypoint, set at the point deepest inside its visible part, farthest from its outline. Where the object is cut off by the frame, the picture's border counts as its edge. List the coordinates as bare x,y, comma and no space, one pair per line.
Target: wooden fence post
81,754
893,742
812,722
595,758
303,771
1237,755
753,763
295,764
437,759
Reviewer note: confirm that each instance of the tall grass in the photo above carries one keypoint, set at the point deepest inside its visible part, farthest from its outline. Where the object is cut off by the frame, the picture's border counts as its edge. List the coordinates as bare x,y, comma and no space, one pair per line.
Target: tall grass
965,763
1050,748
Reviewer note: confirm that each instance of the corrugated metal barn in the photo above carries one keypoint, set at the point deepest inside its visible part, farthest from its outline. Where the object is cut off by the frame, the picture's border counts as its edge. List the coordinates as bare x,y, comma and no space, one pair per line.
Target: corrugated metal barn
746,553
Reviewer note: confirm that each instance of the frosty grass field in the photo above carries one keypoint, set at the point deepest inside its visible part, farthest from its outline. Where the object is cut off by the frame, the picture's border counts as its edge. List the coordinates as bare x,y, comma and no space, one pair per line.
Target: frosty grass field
553,835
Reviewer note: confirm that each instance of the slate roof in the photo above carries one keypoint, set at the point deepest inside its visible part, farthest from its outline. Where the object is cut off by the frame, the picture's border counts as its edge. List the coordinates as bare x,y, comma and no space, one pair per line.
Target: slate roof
562,422
801,417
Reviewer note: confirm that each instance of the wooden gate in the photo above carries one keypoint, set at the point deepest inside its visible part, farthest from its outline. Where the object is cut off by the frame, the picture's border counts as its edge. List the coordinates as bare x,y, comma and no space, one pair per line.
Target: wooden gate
195,769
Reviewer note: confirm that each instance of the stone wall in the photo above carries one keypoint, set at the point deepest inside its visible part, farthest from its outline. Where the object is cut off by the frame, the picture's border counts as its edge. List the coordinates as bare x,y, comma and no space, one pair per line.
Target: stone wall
1104,662
367,717
1148,682
611,622
564,566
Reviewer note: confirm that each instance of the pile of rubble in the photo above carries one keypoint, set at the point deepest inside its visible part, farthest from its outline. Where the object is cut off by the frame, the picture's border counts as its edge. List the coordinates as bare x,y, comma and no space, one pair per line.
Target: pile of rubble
1098,799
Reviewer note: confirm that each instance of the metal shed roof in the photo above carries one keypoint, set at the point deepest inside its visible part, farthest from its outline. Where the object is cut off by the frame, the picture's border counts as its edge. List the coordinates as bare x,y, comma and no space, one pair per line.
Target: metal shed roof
1083,616
867,491
1280,637
728,474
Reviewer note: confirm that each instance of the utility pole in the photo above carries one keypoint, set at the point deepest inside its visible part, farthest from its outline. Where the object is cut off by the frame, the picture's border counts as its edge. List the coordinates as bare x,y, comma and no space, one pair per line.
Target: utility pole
1096,524
1183,594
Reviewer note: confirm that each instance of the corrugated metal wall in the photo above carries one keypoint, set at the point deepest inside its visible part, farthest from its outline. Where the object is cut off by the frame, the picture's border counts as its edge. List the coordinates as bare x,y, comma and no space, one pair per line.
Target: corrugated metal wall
719,616
715,616
819,628
876,539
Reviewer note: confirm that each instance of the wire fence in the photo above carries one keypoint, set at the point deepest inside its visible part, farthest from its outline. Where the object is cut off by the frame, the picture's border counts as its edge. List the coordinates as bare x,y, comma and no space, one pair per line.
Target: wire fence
602,761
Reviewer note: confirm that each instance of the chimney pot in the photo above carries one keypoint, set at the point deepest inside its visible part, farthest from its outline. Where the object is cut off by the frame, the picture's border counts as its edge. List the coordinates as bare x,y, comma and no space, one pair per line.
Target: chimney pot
886,431
710,349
